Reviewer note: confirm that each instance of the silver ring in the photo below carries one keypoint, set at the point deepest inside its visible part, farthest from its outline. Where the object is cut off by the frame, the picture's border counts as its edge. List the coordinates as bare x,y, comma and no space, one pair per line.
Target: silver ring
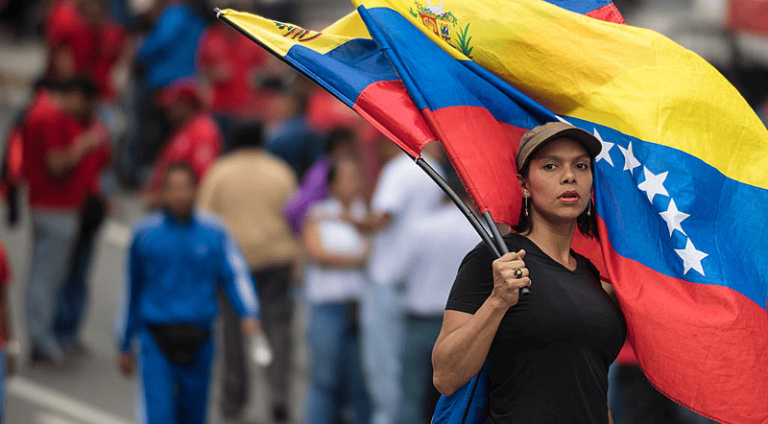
518,273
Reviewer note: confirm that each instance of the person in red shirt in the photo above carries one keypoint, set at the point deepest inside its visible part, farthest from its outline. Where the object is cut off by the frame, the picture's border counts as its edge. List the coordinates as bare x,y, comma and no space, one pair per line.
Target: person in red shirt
72,36
54,147
13,160
73,295
8,348
195,138
230,65
83,40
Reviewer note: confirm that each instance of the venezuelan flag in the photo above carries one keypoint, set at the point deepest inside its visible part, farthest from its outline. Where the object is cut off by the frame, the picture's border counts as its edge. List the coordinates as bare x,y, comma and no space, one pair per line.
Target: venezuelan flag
348,63
344,60
681,188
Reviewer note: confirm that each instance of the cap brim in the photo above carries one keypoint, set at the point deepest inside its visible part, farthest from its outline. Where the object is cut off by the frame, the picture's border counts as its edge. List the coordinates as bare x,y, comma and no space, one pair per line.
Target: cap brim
589,141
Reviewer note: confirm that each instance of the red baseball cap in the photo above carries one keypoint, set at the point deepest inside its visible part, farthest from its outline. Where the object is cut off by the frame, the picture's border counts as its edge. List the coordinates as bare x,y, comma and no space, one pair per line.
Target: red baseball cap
183,89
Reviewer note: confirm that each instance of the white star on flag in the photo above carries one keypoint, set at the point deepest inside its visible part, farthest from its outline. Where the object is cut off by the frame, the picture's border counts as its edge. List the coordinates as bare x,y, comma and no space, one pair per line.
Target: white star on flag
653,184
674,217
605,152
691,258
561,119
630,162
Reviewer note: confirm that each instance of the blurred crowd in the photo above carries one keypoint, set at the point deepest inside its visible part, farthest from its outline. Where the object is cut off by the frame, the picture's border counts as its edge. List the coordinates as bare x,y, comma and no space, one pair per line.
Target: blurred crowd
312,208
315,208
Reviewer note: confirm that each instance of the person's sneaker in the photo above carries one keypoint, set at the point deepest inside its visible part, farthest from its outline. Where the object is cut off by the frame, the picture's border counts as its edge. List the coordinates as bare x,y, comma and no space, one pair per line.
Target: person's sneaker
38,357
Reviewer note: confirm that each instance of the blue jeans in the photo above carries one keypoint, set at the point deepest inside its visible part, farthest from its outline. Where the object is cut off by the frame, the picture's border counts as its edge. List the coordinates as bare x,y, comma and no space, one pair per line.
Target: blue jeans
383,325
73,296
336,375
53,238
420,338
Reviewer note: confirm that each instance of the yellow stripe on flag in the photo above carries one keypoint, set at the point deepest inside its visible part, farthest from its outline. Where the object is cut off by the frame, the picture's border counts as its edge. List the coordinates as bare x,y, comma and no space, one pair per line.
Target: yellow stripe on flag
280,37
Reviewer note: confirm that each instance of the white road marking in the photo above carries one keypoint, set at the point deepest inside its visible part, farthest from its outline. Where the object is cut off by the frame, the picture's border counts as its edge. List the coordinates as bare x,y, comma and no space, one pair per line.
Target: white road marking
42,396
117,233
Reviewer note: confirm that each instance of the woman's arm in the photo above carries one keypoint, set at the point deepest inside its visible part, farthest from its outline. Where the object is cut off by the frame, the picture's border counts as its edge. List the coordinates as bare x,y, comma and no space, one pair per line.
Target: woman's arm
465,339
463,345
314,247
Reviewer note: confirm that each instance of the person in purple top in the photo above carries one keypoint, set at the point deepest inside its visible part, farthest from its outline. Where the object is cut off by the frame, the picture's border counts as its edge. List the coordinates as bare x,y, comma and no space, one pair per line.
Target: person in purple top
340,142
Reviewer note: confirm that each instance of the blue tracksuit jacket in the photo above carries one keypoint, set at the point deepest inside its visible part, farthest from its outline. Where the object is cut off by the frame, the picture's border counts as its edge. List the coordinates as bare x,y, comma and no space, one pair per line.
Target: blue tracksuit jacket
173,270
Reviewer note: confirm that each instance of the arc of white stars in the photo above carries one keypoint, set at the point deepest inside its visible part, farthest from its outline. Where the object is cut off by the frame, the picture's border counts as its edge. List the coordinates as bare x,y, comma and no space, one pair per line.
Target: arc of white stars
605,153
630,161
653,184
691,258
673,218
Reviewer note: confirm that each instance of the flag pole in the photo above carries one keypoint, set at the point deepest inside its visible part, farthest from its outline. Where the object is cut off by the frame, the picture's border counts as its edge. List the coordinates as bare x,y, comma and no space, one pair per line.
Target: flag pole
426,167
500,242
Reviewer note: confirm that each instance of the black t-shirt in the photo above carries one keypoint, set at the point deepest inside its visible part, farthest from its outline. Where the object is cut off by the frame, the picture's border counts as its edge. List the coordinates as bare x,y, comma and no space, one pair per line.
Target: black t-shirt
549,360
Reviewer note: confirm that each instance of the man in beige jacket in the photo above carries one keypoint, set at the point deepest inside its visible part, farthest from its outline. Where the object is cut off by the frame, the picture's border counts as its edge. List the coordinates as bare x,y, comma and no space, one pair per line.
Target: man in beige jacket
248,188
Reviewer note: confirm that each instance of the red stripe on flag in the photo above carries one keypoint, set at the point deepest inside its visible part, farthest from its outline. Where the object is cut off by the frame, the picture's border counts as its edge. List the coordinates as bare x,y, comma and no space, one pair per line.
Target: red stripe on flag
482,150
387,106
590,248
608,13
704,342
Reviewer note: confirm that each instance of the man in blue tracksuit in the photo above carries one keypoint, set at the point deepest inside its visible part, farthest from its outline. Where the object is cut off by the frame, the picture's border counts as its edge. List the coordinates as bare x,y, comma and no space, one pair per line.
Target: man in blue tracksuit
176,261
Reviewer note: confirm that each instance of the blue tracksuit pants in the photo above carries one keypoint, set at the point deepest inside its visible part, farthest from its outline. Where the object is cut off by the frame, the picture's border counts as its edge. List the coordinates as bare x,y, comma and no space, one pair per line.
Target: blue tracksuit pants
170,393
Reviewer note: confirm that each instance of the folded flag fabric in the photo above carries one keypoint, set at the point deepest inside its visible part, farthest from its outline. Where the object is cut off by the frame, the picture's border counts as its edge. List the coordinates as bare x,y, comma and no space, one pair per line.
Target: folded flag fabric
681,189
344,60
467,405
478,118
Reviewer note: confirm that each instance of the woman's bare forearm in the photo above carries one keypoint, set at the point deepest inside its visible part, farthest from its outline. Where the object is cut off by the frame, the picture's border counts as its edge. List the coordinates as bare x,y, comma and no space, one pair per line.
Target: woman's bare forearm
460,354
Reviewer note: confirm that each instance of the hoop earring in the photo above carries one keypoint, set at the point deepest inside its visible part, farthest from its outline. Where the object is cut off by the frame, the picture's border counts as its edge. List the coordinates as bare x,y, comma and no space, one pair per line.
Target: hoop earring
526,205
589,208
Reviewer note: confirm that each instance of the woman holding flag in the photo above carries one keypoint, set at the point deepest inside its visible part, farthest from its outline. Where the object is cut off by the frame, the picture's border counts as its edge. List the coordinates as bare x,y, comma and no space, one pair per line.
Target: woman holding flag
547,352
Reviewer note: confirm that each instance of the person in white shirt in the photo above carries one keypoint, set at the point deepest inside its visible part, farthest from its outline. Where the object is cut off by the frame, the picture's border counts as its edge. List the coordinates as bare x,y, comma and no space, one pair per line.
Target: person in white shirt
438,243
337,253
404,193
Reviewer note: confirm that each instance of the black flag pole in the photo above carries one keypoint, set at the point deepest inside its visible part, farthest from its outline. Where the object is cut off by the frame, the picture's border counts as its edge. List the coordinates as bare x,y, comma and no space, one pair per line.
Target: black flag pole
493,239
500,243
487,239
